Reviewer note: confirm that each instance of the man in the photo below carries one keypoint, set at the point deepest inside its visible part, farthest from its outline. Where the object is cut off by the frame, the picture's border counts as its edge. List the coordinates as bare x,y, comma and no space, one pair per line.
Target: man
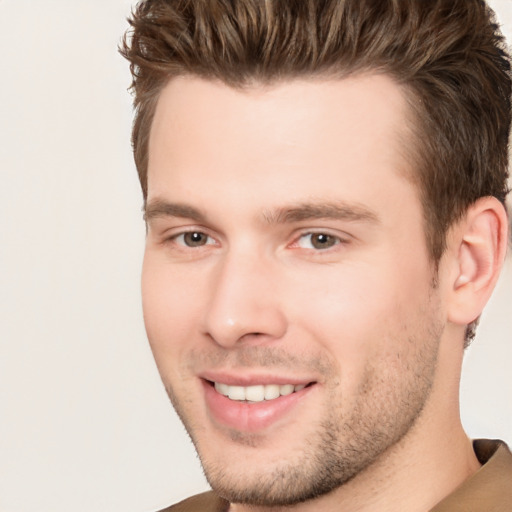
324,187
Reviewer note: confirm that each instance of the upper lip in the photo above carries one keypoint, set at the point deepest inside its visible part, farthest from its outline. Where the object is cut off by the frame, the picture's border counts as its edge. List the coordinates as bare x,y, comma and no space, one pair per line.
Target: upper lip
252,379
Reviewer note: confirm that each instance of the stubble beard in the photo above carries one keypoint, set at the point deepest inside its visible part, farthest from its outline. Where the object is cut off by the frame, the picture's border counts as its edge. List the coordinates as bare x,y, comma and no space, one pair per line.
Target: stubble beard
389,405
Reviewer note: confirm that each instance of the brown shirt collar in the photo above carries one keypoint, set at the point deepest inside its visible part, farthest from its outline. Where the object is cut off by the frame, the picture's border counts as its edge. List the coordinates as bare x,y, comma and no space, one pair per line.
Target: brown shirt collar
488,490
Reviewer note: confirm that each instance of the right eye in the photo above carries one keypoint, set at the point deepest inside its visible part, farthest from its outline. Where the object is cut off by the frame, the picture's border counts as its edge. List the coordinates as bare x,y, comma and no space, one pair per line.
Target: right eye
193,239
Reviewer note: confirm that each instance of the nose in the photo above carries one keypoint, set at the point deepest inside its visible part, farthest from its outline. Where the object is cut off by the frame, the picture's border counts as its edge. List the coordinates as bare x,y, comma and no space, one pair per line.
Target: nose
244,304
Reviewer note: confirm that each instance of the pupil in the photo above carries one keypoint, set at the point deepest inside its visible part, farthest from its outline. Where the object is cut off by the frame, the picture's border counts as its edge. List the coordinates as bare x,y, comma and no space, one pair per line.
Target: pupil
322,241
194,239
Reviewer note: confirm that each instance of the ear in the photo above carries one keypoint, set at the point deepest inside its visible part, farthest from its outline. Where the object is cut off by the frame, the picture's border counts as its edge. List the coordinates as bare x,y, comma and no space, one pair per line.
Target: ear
479,245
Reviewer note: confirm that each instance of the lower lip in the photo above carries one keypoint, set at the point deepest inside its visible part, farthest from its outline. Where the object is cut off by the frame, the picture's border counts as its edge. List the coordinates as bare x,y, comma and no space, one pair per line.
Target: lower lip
250,417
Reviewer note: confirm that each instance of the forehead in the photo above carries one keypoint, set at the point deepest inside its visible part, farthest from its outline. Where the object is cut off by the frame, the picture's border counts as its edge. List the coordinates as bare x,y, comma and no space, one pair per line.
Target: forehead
285,141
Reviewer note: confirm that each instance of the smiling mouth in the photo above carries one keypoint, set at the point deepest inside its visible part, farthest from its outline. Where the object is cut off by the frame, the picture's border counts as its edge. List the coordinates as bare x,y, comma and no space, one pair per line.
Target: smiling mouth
258,393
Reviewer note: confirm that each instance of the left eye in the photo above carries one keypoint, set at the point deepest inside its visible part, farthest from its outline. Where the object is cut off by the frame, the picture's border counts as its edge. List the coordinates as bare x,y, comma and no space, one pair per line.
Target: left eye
318,241
194,239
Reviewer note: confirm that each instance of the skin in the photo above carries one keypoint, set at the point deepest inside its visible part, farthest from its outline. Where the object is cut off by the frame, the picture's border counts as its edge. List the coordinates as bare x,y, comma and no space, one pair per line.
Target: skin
359,314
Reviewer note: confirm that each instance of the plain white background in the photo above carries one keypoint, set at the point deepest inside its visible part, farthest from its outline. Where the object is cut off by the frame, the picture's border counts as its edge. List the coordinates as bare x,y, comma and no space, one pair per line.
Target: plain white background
84,422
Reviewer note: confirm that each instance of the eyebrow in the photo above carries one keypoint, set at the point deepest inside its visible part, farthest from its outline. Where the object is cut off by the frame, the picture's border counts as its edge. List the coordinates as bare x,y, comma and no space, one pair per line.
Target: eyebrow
284,215
159,208
311,211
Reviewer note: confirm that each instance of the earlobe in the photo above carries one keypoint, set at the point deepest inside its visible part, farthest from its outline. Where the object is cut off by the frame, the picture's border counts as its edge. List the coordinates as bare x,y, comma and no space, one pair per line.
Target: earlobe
481,243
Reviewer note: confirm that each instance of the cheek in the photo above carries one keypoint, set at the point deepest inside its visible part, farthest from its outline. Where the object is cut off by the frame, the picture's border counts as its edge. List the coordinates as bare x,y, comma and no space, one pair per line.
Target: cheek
171,307
359,314
344,301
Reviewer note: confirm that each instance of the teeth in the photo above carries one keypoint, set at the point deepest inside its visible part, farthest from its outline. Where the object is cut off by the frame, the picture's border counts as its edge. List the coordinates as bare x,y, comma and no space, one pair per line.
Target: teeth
257,393
236,393
223,389
287,389
271,392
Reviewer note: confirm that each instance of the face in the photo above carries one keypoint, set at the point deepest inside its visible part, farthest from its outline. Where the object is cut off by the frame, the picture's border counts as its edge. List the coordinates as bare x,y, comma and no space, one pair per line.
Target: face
287,288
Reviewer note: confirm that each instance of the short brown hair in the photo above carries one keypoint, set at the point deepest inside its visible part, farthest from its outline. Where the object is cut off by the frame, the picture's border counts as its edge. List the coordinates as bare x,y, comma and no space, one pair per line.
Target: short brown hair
449,56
